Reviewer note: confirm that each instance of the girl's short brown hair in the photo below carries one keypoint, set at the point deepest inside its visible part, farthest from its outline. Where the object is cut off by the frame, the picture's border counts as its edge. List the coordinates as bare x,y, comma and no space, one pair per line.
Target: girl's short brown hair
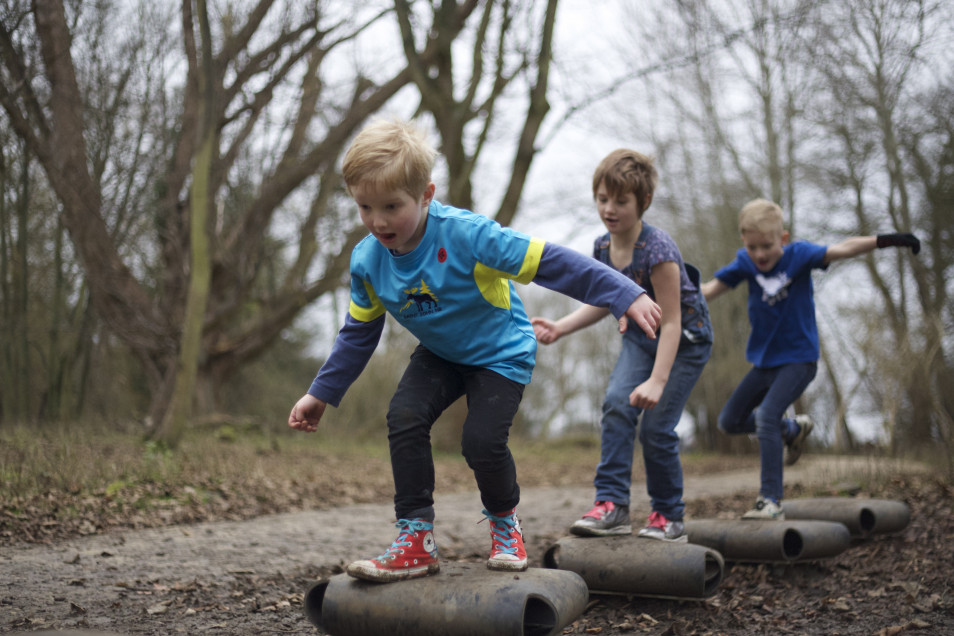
623,171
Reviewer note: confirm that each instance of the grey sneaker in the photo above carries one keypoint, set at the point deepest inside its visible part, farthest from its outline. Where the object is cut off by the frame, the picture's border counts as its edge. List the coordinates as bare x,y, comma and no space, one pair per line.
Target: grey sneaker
794,448
605,519
663,529
765,509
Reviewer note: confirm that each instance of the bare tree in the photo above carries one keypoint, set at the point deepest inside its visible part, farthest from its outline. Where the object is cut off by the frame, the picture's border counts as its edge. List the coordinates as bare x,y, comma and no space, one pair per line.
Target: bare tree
252,58
464,104
875,54
205,231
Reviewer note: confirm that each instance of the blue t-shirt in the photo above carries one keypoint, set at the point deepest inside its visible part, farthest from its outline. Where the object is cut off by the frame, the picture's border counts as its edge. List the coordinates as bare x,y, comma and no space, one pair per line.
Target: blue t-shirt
781,304
455,293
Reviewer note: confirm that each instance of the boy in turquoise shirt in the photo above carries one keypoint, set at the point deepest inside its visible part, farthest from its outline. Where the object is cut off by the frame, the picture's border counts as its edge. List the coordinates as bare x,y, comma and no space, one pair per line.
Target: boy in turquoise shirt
447,276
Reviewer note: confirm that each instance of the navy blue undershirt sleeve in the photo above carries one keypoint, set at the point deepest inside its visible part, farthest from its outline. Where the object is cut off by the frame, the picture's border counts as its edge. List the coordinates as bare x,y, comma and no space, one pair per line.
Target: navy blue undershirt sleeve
585,279
351,352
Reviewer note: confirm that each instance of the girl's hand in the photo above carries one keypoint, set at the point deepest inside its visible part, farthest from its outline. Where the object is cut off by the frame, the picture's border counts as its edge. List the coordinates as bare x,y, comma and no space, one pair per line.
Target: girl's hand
647,394
545,330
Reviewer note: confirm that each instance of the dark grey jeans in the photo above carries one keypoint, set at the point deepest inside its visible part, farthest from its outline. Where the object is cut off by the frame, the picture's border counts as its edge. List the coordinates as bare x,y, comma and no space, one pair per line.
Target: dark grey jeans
431,384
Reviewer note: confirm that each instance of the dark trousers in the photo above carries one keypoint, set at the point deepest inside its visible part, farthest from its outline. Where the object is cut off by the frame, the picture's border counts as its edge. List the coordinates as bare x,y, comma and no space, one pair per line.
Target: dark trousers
431,384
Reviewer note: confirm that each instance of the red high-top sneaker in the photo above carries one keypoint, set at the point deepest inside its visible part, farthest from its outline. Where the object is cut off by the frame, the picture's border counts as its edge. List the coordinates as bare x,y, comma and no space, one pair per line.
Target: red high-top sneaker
413,554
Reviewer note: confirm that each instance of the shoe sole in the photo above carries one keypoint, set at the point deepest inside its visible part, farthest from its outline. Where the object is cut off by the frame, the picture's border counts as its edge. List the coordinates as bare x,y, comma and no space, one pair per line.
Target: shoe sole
507,566
367,572
583,531
682,539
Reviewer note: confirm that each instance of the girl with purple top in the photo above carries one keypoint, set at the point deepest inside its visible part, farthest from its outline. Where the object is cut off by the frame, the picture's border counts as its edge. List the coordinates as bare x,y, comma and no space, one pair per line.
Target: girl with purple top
652,378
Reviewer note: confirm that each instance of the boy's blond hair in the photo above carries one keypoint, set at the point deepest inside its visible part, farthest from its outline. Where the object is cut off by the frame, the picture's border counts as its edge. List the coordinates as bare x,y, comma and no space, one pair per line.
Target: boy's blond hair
390,154
761,215
623,171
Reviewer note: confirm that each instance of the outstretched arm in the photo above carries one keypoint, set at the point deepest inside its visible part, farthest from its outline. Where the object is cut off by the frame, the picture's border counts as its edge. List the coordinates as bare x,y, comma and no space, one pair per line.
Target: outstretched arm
713,289
853,246
591,282
864,244
353,347
549,331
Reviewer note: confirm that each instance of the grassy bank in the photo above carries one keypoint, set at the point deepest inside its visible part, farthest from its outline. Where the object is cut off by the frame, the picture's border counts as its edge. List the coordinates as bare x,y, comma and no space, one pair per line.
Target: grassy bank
58,481
35,461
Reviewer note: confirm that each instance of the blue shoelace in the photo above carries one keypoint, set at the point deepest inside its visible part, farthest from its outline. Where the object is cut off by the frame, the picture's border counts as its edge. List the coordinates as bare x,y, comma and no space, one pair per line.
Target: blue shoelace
503,529
407,528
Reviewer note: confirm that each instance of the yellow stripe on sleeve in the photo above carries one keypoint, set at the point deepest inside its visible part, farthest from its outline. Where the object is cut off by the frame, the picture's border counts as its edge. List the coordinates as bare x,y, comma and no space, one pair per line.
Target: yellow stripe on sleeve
531,262
367,314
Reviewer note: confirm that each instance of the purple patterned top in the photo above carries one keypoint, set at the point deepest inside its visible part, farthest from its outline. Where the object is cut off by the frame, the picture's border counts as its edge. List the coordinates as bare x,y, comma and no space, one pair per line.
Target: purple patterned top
655,246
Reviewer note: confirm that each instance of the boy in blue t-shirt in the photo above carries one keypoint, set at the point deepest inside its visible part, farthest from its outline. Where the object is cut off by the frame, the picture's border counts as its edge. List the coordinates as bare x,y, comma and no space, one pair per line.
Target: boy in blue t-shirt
783,343
446,276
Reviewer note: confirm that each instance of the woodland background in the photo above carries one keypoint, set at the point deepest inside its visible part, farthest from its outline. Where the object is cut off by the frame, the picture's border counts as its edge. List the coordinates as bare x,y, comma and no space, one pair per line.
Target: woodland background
174,234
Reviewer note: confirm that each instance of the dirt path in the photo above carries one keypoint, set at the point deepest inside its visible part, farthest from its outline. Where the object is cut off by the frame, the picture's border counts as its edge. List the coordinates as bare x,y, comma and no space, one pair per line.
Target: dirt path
247,577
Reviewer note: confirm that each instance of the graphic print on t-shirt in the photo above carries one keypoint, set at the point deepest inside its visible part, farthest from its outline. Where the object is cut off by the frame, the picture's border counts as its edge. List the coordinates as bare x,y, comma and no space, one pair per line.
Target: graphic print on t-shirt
422,298
774,288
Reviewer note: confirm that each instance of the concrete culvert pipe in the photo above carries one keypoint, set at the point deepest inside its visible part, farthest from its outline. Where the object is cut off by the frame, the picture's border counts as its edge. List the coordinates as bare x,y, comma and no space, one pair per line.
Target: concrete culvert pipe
638,566
770,541
464,599
862,517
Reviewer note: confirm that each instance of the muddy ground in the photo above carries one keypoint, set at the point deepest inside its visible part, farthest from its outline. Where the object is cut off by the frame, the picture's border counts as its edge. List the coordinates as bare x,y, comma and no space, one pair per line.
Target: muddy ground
249,576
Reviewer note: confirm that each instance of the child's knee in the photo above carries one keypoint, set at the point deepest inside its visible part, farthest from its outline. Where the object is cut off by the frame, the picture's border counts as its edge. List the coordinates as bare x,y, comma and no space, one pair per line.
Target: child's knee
617,400
768,427
664,439
481,458
728,426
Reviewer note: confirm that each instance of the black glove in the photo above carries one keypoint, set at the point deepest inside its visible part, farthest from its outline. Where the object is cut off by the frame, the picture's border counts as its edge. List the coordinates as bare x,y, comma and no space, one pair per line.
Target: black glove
900,240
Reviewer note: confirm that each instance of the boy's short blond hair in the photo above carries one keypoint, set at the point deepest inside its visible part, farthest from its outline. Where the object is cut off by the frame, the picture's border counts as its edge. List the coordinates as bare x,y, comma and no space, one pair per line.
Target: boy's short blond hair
623,171
390,154
761,215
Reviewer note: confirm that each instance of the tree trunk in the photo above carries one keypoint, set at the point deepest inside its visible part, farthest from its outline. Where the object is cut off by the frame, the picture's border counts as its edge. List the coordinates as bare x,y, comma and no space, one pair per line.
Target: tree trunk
177,418
843,438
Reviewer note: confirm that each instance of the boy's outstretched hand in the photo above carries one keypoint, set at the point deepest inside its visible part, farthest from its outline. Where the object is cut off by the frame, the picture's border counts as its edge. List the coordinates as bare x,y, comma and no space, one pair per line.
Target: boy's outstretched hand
306,413
645,313
900,240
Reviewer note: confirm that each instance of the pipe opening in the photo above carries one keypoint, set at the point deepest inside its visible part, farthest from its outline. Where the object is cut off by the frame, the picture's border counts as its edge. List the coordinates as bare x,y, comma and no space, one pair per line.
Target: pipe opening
551,558
792,544
314,599
867,519
713,574
539,617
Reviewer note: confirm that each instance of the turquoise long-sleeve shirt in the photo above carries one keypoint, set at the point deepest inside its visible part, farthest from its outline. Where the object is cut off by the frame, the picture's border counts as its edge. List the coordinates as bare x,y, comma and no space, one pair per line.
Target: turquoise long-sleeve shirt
455,293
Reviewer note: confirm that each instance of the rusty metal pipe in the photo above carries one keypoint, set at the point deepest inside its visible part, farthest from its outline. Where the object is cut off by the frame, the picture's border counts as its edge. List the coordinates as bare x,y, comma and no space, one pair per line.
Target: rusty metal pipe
770,541
464,599
862,517
639,566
